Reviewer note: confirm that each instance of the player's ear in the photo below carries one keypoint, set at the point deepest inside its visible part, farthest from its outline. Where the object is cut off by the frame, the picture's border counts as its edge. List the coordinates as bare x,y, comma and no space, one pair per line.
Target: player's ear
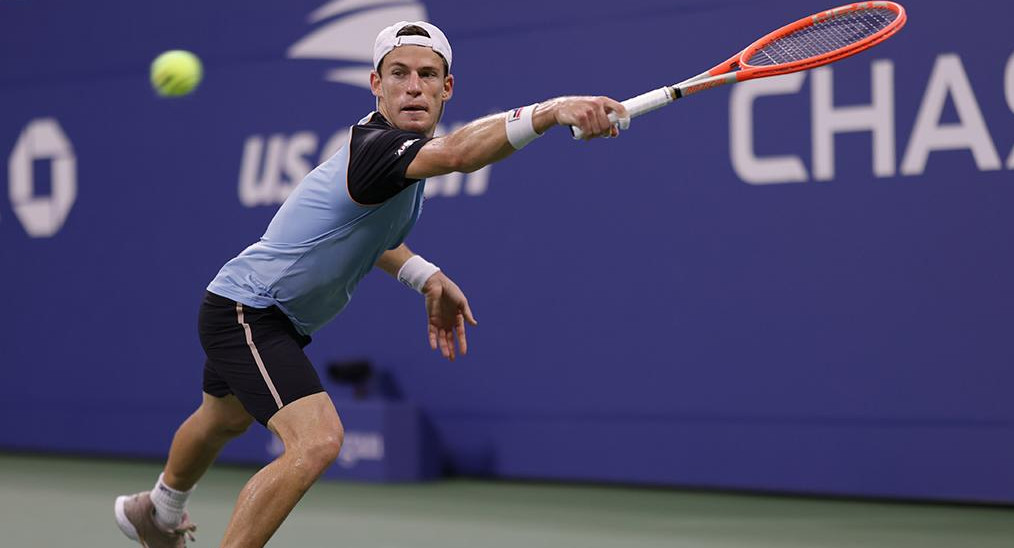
375,83
448,87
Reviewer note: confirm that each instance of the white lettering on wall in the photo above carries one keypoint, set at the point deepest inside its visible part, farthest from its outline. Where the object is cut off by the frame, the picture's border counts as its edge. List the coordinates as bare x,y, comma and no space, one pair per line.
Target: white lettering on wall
751,168
272,166
948,79
877,117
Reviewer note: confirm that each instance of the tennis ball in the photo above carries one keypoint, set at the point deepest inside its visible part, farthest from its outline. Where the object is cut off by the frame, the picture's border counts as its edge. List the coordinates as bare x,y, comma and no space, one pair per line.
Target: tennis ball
176,72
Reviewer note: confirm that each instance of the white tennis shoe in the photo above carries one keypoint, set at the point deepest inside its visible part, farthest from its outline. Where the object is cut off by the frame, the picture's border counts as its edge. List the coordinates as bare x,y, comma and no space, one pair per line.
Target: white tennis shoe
135,514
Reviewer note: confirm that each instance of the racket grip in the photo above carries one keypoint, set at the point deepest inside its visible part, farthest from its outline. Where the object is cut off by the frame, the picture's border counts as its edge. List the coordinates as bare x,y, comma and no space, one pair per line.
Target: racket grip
636,106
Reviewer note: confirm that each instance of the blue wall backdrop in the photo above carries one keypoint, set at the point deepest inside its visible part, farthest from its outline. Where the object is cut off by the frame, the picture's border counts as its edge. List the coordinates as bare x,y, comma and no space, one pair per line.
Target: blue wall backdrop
801,284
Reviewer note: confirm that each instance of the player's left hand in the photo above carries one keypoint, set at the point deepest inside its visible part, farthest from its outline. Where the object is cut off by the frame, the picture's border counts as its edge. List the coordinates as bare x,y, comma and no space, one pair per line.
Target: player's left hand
447,311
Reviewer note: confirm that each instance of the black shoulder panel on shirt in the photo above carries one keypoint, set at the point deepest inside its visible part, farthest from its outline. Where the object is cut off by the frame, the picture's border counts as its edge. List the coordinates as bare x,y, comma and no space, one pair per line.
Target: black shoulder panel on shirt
379,155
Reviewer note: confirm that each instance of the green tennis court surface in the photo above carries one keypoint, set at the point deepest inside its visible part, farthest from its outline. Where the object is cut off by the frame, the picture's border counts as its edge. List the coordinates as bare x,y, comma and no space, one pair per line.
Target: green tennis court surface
50,502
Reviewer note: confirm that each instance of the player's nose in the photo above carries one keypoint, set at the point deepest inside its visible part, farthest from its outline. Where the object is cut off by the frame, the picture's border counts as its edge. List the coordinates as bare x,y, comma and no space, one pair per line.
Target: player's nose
414,84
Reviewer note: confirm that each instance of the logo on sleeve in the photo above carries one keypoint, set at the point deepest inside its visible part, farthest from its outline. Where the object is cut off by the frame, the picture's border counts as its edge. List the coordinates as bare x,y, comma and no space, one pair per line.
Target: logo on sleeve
405,146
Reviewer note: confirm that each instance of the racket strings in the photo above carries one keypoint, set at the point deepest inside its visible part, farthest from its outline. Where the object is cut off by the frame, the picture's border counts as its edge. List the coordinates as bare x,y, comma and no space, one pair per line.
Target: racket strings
824,37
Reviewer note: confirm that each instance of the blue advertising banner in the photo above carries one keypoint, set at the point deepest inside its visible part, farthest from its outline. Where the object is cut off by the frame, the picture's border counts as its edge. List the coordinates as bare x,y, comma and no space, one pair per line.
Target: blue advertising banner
796,284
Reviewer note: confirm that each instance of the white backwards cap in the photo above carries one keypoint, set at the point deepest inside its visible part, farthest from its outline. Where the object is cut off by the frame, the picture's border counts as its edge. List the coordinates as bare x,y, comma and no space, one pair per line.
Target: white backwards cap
387,41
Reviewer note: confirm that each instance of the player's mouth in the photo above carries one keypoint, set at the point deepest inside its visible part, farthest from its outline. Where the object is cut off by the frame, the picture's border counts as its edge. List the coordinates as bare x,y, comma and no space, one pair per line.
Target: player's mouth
415,108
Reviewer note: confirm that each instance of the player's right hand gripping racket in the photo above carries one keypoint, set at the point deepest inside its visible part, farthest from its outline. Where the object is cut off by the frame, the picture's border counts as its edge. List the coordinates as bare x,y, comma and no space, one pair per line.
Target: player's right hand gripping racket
811,42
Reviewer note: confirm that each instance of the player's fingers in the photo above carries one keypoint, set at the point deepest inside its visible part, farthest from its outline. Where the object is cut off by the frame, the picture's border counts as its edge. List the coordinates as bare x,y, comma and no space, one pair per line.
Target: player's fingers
433,337
459,330
442,342
590,119
622,116
467,311
586,121
449,341
617,107
602,123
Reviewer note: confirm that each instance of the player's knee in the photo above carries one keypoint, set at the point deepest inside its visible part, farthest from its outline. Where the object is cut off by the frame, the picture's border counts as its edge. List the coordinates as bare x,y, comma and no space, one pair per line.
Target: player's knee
234,426
227,424
326,445
330,445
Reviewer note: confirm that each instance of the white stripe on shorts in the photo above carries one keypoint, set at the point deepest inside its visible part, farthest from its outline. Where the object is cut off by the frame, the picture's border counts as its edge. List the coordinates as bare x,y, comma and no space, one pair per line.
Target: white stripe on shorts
257,355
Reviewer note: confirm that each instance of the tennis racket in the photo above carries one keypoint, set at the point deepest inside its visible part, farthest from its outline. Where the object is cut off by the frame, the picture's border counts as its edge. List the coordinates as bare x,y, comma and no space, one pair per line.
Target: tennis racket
811,42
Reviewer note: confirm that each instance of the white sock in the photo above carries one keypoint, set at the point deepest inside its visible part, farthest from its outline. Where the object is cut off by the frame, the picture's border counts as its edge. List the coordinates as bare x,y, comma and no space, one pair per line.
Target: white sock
169,503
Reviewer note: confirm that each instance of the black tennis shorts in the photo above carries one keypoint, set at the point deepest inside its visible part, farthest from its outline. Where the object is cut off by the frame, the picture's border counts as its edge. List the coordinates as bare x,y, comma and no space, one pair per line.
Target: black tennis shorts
255,354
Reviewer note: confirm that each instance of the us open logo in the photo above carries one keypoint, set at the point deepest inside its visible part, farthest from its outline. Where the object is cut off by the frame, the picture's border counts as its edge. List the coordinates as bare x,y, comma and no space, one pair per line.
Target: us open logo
344,32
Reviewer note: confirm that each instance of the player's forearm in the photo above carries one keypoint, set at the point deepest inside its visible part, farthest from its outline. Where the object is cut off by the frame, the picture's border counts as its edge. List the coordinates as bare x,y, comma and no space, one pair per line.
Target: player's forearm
485,141
477,144
409,268
392,260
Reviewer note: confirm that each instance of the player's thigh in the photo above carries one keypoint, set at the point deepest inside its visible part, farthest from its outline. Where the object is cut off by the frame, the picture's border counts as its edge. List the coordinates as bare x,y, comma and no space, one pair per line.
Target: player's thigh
256,355
310,422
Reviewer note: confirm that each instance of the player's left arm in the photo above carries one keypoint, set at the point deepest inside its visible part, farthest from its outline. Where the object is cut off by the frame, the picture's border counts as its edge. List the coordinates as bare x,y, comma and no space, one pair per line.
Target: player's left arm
392,260
447,308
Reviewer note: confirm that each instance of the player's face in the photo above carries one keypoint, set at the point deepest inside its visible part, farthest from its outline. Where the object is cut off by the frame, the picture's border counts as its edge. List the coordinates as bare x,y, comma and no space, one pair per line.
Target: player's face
411,88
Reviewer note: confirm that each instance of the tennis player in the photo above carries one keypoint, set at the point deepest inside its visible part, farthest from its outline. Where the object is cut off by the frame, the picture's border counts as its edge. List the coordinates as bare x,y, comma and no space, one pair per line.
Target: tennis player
348,215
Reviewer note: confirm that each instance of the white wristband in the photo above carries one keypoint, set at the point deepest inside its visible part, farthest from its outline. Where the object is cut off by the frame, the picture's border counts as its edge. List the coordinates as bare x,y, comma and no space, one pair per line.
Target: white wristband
520,129
416,271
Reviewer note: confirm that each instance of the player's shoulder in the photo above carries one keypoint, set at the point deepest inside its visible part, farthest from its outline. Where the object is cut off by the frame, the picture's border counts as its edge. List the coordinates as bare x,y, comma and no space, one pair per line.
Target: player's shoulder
375,122
373,130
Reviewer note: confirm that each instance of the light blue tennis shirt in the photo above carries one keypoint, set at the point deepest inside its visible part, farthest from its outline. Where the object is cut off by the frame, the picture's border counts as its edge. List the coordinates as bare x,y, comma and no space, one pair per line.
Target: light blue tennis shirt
320,244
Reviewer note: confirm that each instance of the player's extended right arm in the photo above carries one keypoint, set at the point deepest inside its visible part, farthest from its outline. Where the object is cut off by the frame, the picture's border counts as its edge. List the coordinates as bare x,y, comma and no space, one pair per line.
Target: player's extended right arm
484,141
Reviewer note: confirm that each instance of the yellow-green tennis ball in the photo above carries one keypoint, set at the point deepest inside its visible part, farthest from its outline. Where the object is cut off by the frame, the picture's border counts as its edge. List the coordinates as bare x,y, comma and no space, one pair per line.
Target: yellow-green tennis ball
176,72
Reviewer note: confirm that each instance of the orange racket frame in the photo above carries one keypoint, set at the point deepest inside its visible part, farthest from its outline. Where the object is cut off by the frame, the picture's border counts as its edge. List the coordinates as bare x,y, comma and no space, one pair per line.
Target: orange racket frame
736,68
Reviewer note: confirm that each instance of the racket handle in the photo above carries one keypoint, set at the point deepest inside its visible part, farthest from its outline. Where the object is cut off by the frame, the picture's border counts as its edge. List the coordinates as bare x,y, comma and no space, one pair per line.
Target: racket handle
636,106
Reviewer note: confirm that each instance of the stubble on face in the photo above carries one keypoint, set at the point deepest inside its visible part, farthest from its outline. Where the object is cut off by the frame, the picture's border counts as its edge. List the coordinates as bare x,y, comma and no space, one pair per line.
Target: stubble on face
411,88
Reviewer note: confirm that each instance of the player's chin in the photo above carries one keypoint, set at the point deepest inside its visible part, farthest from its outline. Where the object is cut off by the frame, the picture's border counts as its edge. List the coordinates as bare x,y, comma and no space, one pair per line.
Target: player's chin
415,120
